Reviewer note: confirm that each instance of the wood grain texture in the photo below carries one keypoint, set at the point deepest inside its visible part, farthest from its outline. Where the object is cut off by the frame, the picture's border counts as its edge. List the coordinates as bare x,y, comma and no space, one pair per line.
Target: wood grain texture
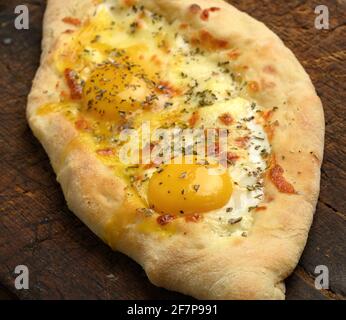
64,258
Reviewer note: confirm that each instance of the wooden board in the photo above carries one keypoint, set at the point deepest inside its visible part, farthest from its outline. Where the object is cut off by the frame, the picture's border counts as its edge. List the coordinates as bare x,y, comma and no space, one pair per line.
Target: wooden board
64,258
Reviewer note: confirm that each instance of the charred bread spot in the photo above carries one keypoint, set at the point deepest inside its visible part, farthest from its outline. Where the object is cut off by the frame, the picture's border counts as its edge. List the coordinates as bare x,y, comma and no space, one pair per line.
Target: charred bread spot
278,179
234,54
105,152
82,124
129,3
205,13
70,20
194,9
165,219
226,119
193,218
209,41
261,208
253,86
71,78
194,118
270,69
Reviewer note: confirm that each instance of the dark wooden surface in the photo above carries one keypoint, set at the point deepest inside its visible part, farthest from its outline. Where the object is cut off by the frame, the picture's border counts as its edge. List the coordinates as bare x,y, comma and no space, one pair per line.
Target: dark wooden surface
64,258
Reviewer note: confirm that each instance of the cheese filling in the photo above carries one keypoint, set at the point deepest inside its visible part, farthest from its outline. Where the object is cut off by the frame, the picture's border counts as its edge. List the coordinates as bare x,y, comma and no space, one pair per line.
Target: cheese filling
127,66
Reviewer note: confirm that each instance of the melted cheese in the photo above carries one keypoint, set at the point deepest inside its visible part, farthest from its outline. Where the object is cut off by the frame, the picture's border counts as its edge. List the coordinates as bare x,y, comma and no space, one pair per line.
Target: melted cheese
136,67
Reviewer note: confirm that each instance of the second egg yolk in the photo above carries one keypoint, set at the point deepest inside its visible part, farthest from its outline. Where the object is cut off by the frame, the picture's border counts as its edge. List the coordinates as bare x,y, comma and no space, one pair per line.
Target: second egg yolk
188,189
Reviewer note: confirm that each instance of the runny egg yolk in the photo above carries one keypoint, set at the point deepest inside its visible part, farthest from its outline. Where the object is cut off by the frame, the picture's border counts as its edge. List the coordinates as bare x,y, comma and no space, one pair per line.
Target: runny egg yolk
188,189
112,90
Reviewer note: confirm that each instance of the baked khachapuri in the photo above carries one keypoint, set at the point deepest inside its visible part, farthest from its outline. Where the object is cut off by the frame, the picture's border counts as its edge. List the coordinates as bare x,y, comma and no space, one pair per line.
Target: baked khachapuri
185,135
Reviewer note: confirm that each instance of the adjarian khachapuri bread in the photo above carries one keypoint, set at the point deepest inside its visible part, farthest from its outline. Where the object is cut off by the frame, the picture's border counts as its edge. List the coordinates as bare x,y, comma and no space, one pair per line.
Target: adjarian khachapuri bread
185,135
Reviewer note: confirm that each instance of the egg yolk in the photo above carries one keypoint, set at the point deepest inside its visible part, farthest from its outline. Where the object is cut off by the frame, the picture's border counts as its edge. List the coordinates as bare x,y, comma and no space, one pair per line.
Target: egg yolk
114,89
188,189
